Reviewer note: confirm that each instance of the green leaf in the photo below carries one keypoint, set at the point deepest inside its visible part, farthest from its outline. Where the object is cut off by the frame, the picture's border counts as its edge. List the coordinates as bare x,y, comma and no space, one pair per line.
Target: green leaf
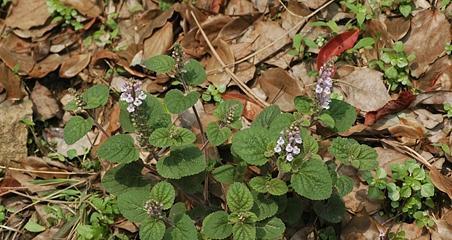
217,135
152,229
118,149
171,136
125,177
264,207
427,190
194,73
177,102
239,198
34,227
243,231
76,128
71,106
344,185
326,120
183,229
273,186
251,145
177,210
364,43
310,145
272,229
304,104
350,152
164,193
343,114
160,64
266,117
95,96
405,9
131,205
277,187
216,226
230,109
183,161
313,180
331,210
224,174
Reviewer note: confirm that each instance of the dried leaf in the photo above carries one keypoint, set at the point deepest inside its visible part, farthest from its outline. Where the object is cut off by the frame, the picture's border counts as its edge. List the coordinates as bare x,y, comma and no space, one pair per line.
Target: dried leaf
85,7
11,82
159,42
438,76
336,46
266,33
239,7
403,101
430,32
45,66
74,64
397,27
280,88
44,103
441,182
26,14
217,76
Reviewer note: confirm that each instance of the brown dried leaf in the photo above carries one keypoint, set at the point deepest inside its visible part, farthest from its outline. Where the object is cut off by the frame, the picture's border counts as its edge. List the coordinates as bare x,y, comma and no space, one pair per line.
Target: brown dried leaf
434,97
397,27
11,82
17,53
85,7
441,182
430,32
239,7
438,76
45,105
361,227
74,64
159,42
408,131
403,101
365,89
220,77
280,88
45,66
314,4
267,32
235,28
245,72
26,14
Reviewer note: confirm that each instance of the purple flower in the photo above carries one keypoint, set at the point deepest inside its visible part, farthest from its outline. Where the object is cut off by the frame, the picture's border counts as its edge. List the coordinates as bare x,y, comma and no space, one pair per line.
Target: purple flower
296,150
289,157
277,149
289,148
280,141
132,94
131,108
324,84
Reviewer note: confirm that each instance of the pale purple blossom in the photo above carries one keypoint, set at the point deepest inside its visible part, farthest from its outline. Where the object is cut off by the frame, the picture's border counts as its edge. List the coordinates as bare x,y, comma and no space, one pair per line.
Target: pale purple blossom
132,94
277,149
325,84
289,157
290,141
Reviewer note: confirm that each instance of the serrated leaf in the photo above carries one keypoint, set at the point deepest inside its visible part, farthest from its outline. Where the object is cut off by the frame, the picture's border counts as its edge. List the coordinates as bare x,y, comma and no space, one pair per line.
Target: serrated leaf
194,72
233,107
217,135
95,96
152,229
125,177
118,149
264,207
343,114
183,161
277,187
344,185
331,210
164,193
239,198
310,145
177,102
326,120
160,64
313,180
273,229
224,174
171,136
350,152
131,205
76,128
216,226
259,184
280,123
177,210
266,117
183,228
243,231
251,145
304,104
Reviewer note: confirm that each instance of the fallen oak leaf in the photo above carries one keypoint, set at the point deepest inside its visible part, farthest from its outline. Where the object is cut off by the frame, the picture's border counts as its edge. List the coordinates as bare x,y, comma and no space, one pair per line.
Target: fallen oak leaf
403,101
336,46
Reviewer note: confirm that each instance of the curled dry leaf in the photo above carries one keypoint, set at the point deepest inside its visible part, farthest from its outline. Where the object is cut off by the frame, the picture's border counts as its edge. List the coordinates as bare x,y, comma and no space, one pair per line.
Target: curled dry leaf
27,14
280,88
217,76
44,103
17,53
438,76
159,42
408,131
403,101
336,46
441,182
428,119
235,28
430,33
45,66
74,65
362,83
397,27
86,7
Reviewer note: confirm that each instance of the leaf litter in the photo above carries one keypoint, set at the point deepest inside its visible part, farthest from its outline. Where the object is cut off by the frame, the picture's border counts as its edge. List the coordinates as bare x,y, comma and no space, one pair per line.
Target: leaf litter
245,47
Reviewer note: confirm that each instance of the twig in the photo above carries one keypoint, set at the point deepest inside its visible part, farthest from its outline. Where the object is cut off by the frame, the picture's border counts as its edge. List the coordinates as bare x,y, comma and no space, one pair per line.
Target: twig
98,125
288,10
234,77
45,172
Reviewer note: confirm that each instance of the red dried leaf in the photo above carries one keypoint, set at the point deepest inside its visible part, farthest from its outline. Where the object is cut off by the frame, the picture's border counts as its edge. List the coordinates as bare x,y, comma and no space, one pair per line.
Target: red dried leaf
403,101
8,183
216,5
336,46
